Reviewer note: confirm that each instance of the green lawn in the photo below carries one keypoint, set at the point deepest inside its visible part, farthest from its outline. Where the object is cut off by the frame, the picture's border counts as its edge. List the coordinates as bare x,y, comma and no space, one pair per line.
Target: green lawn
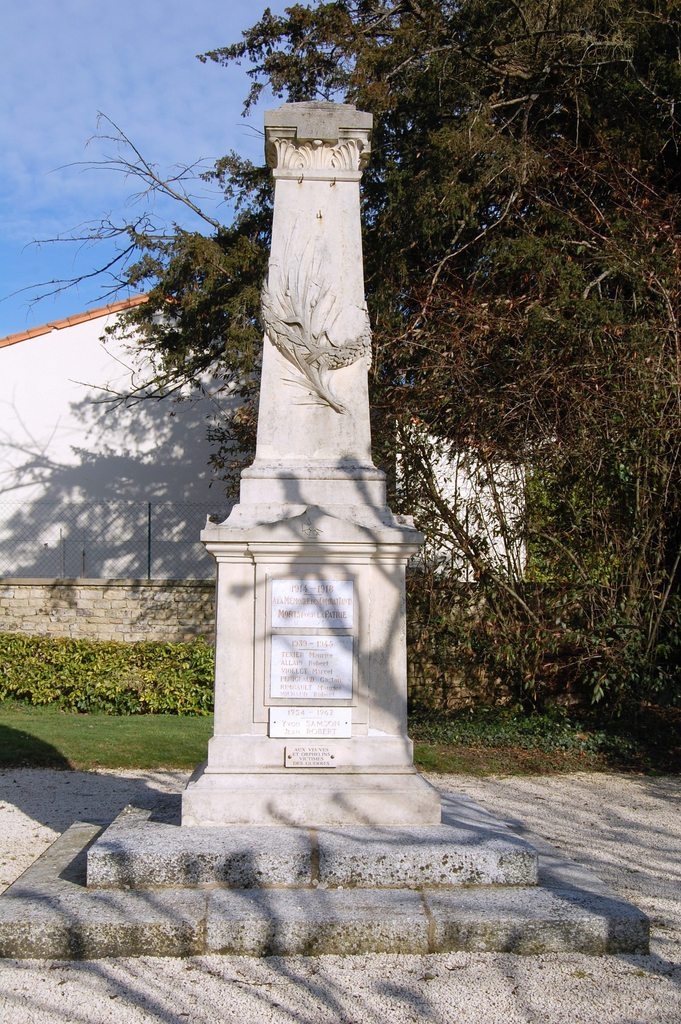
488,742
47,737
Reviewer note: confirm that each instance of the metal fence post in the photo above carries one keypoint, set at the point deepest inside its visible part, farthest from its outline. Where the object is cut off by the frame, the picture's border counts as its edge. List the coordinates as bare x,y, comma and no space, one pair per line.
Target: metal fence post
148,540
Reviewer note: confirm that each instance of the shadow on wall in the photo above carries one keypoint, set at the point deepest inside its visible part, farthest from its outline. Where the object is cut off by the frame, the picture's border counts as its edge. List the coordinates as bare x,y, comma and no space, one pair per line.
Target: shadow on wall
130,505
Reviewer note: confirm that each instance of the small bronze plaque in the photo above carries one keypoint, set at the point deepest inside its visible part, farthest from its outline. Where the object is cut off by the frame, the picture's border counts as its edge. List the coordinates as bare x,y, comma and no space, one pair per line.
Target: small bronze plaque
309,756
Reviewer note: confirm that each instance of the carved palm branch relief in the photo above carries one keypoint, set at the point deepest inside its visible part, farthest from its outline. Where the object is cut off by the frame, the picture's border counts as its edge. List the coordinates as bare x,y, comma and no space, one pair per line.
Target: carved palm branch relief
306,321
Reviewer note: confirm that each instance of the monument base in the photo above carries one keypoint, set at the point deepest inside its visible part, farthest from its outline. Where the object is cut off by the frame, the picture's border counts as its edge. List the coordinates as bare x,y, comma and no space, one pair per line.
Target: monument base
155,889
310,800
310,671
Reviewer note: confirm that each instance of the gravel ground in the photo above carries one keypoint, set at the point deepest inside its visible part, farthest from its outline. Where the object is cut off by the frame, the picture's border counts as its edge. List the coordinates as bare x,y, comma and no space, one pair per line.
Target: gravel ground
627,829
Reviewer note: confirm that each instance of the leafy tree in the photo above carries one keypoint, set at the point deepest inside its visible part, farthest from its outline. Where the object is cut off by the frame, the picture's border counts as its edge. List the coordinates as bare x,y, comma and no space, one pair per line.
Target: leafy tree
522,267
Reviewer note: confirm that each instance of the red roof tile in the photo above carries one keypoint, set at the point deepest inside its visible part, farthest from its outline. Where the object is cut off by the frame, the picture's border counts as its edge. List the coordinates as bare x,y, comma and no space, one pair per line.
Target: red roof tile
71,321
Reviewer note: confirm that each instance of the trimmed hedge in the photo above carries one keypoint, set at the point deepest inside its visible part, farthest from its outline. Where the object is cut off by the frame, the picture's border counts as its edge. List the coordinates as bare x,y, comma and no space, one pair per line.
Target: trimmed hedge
117,678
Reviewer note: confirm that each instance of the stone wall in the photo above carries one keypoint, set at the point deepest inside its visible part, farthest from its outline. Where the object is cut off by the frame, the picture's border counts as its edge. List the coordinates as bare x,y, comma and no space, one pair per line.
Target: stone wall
129,610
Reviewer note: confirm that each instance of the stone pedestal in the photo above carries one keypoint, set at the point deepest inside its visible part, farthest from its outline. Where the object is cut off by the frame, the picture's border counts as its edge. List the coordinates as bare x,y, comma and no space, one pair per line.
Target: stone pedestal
310,686
310,700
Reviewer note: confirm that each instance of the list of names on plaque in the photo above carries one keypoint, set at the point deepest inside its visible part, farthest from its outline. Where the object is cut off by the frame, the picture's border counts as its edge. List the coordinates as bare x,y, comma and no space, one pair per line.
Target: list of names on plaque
317,604
311,667
310,723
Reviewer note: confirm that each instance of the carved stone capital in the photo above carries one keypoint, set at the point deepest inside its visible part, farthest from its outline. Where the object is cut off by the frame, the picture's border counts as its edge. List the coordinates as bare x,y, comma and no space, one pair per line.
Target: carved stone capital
285,154
317,140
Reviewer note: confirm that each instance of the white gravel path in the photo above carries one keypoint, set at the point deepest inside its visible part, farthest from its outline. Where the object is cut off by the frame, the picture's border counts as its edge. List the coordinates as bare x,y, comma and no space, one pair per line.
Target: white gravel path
627,828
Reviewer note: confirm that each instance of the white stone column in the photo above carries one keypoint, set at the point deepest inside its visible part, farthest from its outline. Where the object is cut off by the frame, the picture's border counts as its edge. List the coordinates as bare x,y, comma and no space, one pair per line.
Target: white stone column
314,442
310,683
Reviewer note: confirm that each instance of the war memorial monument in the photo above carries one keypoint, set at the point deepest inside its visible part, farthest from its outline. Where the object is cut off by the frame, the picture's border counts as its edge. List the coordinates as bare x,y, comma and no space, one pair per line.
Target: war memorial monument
308,829
311,693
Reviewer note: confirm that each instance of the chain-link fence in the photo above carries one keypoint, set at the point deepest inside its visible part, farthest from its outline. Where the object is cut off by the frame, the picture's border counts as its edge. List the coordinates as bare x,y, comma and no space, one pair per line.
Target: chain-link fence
106,539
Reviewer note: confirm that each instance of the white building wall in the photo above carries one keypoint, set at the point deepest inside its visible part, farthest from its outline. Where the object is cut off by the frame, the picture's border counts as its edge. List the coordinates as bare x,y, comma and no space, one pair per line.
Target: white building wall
487,501
80,469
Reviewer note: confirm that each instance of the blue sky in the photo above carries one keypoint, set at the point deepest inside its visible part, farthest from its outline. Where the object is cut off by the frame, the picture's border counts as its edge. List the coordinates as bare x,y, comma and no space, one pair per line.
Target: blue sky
63,62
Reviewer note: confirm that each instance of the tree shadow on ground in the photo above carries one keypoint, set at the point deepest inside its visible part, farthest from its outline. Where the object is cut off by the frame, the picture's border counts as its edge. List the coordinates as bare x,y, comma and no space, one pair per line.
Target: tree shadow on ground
57,799
23,750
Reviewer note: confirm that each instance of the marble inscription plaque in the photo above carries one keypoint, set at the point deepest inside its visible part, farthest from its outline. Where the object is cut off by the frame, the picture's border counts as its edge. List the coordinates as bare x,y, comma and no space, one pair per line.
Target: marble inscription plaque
309,756
311,667
317,604
310,723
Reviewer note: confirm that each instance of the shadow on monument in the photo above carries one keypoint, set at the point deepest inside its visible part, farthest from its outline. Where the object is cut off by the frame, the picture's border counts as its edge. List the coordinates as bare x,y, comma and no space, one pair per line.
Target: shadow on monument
306,555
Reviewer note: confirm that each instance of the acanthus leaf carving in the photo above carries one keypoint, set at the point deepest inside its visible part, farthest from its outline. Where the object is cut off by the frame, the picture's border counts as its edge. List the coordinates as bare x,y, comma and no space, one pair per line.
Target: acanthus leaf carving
307,323
315,155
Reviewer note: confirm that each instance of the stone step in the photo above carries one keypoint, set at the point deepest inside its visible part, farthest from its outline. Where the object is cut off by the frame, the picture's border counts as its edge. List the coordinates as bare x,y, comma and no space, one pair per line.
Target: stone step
136,853
49,913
